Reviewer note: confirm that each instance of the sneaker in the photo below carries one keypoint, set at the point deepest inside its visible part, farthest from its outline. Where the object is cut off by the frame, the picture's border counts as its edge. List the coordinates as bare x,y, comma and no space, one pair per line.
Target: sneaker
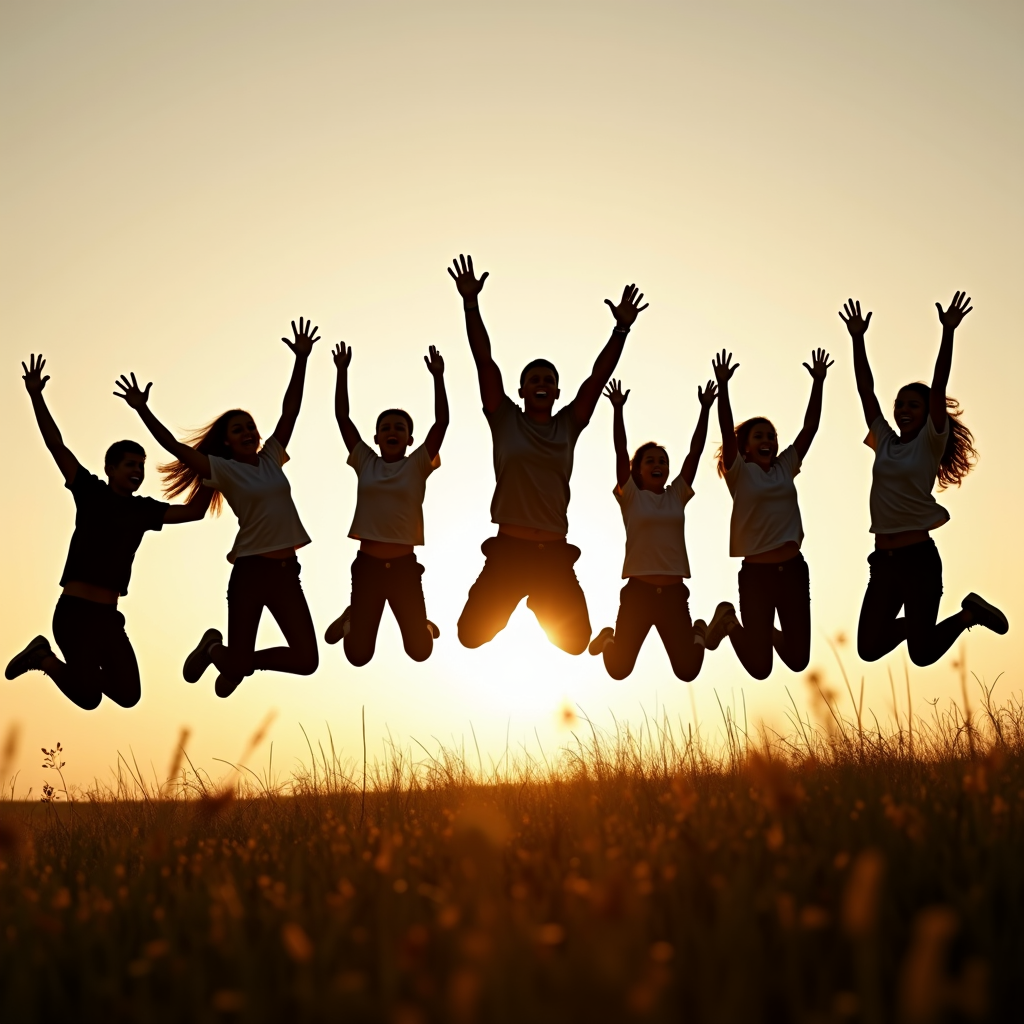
29,658
602,640
339,628
226,685
982,614
700,631
199,660
434,631
721,625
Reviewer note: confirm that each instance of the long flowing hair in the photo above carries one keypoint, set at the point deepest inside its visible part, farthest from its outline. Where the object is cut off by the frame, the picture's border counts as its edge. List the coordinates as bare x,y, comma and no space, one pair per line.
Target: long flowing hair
960,455
638,458
742,437
210,440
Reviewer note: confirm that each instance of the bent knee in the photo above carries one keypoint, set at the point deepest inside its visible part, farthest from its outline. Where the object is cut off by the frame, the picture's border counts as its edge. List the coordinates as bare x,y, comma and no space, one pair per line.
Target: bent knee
922,658
472,637
308,666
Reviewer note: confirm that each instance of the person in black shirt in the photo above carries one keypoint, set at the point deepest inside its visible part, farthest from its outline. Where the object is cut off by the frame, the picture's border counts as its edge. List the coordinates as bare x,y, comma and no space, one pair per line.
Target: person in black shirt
109,524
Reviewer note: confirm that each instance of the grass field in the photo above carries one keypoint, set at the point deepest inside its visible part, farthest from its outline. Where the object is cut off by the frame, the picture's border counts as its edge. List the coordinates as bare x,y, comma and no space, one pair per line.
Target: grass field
841,873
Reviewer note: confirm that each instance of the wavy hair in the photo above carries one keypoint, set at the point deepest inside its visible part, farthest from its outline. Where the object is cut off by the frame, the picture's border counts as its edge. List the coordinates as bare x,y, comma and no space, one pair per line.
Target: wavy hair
960,455
638,458
210,440
742,437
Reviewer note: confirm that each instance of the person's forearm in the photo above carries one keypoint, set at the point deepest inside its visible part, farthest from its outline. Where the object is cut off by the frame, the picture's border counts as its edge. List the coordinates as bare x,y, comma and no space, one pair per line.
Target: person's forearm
700,432
161,434
441,413
861,367
476,332
47,426
341,400
608,358
812,418
619,434
293,395
943,362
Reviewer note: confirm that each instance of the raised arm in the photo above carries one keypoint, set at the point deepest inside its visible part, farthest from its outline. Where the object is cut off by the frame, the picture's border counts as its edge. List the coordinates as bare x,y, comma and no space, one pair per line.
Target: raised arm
138,399
492,391
625,314
617,397
950,320
34,384
342,360
305,338
724,369
818,368
857,326
192,510
700,432
435,364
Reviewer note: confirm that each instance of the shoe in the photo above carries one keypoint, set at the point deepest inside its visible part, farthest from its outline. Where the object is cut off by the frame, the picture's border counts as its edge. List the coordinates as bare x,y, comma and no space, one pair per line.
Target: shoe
29,658
982,614
602,640
339,628
700,631
434,631
226,685
721,625
199,660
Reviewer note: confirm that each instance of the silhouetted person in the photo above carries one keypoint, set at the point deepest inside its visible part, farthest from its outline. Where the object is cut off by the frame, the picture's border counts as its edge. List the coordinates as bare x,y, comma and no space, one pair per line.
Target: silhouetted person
533,457
388,521
653,512
110,522
226,456
766,531
932,443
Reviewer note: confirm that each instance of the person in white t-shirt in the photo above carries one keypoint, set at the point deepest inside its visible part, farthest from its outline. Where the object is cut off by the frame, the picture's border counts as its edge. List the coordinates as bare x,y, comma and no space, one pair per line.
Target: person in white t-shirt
226,456
932,444
766,531
653,512
388,521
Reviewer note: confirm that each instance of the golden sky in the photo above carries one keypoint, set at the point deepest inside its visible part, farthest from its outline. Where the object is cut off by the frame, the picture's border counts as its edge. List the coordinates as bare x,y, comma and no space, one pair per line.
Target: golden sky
181,180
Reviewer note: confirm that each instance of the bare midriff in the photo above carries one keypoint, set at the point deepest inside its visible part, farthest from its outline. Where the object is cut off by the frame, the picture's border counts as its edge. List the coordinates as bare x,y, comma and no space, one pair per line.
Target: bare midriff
90,592
659,581
378,549
888,541
783,554
280,553
529,533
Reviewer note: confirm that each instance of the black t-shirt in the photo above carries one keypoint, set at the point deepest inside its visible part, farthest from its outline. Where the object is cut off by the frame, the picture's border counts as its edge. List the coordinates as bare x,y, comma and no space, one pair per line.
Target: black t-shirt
108,532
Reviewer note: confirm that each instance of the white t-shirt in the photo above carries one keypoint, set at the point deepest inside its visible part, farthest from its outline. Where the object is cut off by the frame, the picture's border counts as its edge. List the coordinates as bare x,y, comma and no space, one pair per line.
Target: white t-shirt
261,498
765,513
655,543
389,498
903,476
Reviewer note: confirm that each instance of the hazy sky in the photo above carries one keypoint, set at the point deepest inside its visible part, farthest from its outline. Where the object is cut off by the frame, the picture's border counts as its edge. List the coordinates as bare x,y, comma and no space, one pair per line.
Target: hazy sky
181,180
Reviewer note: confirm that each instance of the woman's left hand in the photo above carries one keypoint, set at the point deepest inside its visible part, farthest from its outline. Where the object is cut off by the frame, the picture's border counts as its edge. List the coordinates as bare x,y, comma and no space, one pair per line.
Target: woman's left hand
958,309
305,337
708,395
435,364
820,362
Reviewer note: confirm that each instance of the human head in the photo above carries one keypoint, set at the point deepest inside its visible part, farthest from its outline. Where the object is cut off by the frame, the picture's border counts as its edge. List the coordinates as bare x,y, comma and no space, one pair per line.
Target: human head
125,466
649,468
756,441
393,434
959,457
538,386
911,407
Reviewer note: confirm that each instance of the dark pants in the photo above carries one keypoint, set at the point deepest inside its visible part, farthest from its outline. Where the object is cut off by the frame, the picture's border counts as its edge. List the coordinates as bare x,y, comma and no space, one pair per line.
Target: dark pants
99,655
393,581
642,605
544,575
273,583
909,578
767,588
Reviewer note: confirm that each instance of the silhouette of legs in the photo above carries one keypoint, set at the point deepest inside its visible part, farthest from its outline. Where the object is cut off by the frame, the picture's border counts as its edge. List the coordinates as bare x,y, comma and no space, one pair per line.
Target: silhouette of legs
396,582
909,578
765,588
100,658
544,574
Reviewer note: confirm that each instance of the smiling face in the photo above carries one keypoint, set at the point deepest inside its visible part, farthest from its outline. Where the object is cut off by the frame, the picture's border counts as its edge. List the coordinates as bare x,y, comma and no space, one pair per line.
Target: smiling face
539,390
126,477
654,470
762,445
393,437
242,438
909,411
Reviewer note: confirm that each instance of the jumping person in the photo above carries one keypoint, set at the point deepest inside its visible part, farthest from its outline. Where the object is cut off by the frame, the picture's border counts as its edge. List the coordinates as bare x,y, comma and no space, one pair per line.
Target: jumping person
110,522
226,456
766,530
906,570
656,565
533,457
388,520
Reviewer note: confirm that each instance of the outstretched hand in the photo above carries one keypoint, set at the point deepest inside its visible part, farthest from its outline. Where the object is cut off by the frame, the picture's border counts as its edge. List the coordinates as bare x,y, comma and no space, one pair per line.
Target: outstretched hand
708,395
33,378
820,362
465,279
958,309
342,355
629,307
724,367
435,364
131,392
305,337
855,323
614,393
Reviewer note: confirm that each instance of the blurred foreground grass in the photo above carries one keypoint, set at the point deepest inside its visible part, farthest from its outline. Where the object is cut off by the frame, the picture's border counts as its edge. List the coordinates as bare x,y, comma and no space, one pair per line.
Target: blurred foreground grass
838,874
